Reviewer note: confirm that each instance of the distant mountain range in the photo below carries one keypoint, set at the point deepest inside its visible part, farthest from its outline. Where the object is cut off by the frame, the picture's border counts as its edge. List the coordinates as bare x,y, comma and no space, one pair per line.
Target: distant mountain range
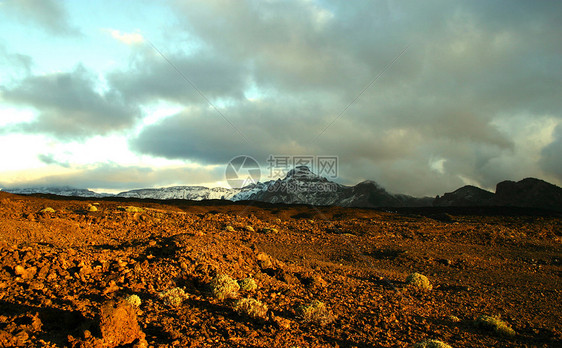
301,186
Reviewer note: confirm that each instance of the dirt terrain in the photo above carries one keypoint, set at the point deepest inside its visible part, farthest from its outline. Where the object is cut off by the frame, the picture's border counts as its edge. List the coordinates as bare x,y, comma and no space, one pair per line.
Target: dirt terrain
67,275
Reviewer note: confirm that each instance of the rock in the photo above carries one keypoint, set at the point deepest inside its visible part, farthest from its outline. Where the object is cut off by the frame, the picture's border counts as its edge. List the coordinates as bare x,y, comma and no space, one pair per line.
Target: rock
281,323
119,325
25,273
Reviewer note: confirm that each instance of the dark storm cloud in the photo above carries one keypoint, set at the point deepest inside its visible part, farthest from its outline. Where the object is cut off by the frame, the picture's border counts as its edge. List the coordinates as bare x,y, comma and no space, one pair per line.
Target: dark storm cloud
470,65
201,134
69,105
152,77
49,15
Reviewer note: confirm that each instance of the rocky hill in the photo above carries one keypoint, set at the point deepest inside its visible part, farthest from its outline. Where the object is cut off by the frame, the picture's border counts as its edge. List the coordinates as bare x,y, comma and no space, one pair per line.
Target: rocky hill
530,193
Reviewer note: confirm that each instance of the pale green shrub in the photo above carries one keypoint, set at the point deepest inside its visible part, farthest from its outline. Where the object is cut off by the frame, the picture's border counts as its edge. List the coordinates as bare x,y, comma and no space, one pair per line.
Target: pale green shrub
173,297
432,344
315,312
251,307
495,324
248,284
134,300
419,281
223,287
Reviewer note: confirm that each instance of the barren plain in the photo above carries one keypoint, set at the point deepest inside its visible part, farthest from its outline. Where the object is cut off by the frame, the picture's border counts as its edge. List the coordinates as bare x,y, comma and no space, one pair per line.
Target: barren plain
67,274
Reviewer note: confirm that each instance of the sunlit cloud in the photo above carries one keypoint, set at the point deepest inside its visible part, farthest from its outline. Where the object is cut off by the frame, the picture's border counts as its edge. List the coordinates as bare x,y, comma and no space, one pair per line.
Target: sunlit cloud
126,38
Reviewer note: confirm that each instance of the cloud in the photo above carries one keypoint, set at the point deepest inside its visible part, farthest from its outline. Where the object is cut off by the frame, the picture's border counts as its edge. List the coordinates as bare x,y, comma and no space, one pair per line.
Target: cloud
551,159
15,62
47,14
471,92
69,105
153,77
126,38
50,159
114,177
464,72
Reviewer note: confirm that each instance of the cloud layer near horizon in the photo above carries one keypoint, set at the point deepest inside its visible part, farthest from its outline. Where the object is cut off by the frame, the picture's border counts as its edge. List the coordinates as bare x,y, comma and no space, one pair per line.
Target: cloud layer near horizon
475,97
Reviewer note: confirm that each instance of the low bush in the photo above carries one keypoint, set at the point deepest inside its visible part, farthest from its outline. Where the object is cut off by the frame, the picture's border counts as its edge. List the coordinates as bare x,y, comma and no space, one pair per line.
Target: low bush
419,281
432,344
315,312
494,324
131,209
248,284
134,300
173,297
251,307
223,287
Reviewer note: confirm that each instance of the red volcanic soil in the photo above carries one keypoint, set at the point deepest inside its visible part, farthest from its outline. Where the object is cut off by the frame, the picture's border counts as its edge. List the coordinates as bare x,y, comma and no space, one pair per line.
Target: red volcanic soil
65,275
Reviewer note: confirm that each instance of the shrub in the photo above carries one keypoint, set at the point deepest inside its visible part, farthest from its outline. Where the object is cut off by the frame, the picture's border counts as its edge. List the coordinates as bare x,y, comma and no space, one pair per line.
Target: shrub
134,300
229,228
494,324
131,209
223,287
251,307
432,344
248,284
92,208
315,312
173,297
419,281
48,210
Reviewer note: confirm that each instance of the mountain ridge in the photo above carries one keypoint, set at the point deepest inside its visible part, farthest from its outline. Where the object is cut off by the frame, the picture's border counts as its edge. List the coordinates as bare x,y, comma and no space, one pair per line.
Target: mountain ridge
302,186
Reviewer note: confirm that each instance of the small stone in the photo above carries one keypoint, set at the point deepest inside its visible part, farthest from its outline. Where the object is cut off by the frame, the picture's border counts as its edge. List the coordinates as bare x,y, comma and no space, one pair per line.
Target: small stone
281,323
19,270
111,288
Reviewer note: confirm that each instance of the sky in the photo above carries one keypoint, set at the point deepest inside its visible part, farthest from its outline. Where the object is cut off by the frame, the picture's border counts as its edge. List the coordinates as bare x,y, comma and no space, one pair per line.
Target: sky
422,97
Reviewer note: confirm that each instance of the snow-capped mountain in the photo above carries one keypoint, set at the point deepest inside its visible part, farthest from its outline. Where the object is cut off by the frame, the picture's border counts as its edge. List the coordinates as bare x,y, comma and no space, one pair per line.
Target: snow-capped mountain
57,190
302,186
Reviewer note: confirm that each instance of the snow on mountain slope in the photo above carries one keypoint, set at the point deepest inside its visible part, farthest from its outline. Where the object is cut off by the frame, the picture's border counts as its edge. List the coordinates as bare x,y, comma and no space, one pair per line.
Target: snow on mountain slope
195,193
57,190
